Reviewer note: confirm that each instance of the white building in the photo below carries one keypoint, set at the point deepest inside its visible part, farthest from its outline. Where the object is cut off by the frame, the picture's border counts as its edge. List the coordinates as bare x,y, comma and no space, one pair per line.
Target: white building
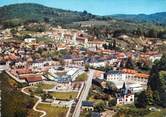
4,65
73,73
135,81
124,96
30,40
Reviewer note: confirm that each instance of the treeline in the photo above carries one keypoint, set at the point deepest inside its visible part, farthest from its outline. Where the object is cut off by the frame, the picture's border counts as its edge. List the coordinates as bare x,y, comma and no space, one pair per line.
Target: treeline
107,32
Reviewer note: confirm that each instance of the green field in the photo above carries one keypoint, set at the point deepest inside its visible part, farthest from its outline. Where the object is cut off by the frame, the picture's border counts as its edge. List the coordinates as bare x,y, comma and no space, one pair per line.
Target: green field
82,77
53,111
161,113
45,86
64,95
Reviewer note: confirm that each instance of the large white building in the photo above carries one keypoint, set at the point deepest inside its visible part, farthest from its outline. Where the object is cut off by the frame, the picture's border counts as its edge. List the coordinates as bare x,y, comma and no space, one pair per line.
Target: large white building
135,81
127,75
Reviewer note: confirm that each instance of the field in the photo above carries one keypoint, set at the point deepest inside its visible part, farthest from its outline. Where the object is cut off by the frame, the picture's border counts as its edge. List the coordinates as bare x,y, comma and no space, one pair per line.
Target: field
162,113
53,111
45,86
64,95
82,77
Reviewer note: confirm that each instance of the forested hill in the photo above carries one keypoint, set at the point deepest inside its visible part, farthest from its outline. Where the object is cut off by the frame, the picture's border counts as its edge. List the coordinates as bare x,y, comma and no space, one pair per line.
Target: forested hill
25,12
28,11
157,18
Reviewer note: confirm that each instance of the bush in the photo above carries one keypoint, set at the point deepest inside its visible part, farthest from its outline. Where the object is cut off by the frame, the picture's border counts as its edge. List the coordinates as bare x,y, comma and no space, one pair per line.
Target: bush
112,102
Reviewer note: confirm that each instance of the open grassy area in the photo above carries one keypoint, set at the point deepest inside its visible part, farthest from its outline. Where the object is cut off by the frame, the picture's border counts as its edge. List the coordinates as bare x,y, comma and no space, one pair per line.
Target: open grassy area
82,77
53,111
33,113
45,86
162,113
64,95
14,102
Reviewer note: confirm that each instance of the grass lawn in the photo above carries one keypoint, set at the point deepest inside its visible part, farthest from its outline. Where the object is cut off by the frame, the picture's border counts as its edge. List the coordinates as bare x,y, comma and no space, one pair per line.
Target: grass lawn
33,113
53,111
162,113
64,95
45,86
82,77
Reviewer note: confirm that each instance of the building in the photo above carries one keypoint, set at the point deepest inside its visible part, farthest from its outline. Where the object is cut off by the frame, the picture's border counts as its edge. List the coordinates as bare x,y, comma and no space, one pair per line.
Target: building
86,105
96,44
32,80
73,73
30,40
124,96
37,64
127,75
3,65
135,81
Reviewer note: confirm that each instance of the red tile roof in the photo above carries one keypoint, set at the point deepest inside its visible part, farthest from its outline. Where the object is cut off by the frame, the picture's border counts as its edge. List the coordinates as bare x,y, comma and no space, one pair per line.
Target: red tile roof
31,79
129,71
141,75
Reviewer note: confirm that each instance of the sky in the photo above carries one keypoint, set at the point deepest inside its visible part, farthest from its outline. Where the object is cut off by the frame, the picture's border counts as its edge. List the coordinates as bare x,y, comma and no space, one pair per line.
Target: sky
101,7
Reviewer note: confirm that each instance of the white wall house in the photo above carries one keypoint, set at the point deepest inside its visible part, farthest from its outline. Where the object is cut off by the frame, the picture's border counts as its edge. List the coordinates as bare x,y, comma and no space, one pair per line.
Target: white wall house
127,75
29,40
3,66
126,99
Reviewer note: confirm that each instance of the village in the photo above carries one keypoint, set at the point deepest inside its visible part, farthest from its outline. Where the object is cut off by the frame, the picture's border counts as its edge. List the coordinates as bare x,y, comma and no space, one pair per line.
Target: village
63,67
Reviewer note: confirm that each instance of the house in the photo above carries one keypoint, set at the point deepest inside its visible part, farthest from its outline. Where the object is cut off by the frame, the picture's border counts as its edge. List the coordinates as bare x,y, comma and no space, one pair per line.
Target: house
86,105
96,44
78,61
32,80
20,64
124,96
68,60
23,71
99,74
128,75
115,75
37,64
30,40
3,65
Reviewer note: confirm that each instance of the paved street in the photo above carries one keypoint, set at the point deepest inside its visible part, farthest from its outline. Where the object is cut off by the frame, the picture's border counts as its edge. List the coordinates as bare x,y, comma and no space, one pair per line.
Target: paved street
84,93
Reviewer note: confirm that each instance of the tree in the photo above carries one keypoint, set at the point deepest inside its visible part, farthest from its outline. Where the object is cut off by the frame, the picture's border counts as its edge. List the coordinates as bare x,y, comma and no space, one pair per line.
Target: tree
44,96
157,81
129,63
99,107
141,100
86,67
112,102
162,88
21,113
105,46
62,62
149,96
152,33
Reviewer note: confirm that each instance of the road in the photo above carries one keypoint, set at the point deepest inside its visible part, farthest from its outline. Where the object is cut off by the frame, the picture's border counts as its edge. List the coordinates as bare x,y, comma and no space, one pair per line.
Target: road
39,101
84,93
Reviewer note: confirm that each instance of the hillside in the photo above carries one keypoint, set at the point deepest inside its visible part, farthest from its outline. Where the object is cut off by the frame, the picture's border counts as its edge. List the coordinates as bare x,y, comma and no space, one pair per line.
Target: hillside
157,18
19,13
100,26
